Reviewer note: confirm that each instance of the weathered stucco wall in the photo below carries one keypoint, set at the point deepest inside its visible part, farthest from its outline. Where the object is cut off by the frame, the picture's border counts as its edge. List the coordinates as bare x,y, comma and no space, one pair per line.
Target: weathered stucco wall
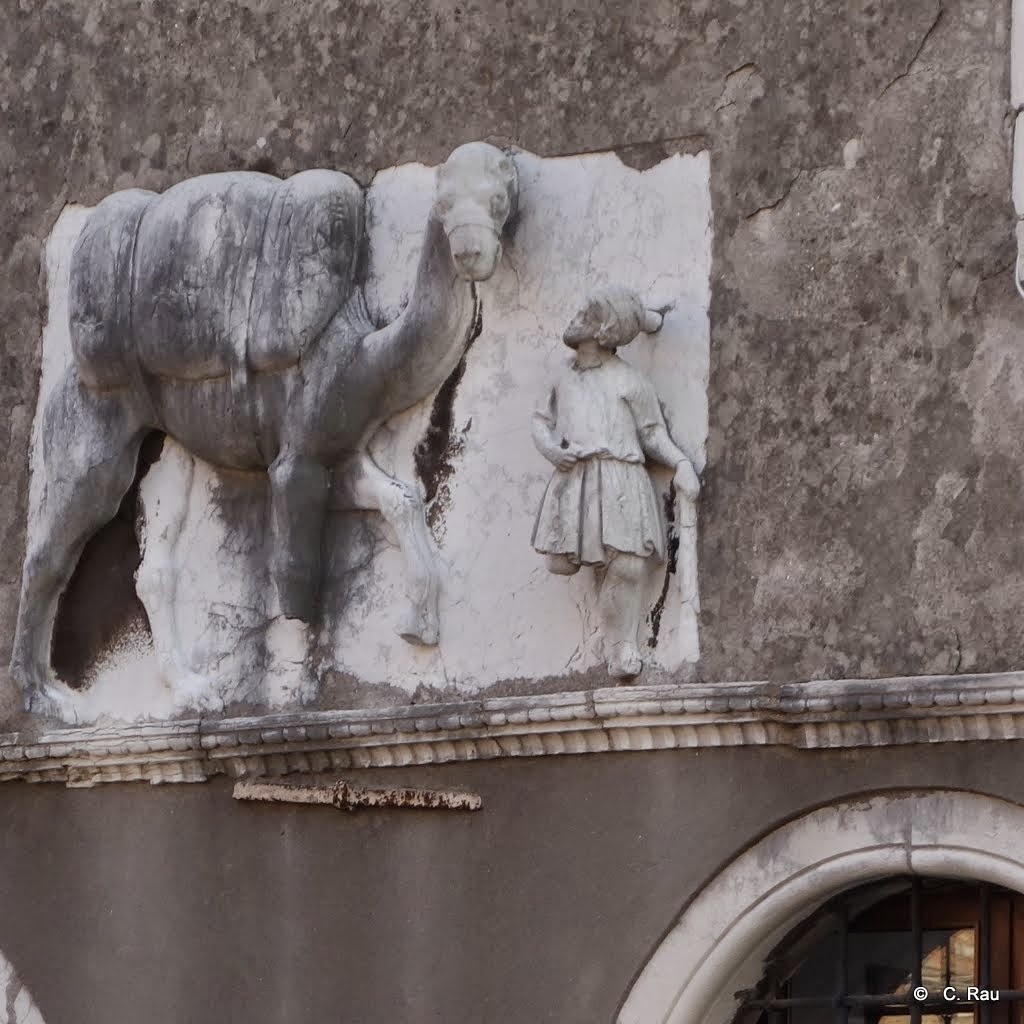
180,904
861,507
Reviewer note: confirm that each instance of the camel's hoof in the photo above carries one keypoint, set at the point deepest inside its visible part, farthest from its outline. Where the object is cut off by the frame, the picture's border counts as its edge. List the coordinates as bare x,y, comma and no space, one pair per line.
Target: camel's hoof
189,690
625,662
52,699
308,688
420,630
284,688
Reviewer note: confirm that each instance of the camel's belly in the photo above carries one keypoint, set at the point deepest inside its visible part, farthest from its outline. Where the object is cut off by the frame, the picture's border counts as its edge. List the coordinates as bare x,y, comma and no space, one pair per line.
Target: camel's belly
273,411
206,418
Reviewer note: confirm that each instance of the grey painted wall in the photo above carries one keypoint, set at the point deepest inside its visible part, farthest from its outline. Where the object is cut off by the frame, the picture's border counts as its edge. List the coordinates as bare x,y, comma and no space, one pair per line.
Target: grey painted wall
126,904
861,514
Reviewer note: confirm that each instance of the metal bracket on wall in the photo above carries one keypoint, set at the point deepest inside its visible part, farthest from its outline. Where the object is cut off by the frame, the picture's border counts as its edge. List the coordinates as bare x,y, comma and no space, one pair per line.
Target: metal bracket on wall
348,796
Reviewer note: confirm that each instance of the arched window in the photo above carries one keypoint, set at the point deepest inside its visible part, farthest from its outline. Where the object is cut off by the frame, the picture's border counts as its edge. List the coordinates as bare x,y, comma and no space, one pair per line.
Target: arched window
904,949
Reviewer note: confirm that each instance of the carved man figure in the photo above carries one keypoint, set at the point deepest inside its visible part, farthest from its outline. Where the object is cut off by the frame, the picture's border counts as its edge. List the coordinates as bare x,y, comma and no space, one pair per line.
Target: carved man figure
601,422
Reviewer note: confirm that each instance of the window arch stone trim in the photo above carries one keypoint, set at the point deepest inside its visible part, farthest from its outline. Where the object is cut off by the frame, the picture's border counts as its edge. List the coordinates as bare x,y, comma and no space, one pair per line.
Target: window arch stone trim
718,944
16,1003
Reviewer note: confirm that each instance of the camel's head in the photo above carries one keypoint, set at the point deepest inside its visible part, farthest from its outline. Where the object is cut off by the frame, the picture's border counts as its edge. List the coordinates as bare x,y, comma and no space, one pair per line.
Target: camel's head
476,194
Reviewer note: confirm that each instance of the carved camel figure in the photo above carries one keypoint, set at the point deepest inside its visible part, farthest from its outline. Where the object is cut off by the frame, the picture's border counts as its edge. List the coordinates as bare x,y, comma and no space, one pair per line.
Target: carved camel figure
227,313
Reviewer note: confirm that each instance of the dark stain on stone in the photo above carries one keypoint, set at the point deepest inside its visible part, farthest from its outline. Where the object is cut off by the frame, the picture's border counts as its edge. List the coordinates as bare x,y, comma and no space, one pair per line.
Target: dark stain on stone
671,562
962,351
100,603
440,445
343,690
641,156
964,514
264,165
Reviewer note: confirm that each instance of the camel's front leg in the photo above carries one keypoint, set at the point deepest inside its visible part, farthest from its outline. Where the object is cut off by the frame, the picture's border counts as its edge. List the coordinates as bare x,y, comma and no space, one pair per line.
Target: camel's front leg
361,484
298,497
156,583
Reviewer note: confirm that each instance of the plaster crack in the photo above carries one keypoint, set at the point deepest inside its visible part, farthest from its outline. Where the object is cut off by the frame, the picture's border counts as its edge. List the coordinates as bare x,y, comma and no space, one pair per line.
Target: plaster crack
572,657
917,53
780,200
736,79
578,651
1001,269
692,138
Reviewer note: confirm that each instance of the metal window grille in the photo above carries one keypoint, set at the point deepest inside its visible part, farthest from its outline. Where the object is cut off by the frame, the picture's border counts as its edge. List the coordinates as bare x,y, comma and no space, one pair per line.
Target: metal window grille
772,1003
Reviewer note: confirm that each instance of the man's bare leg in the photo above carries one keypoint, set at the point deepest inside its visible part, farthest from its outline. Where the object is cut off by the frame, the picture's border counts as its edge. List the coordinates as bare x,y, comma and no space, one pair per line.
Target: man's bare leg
620,609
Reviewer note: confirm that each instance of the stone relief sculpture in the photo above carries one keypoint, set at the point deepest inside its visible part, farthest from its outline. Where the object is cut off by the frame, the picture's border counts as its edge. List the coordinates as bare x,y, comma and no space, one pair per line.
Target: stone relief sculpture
602,420
228,314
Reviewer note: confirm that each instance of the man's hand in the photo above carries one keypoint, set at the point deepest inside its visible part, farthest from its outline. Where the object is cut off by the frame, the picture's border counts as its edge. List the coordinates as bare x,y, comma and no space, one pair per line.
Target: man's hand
565,458
686,481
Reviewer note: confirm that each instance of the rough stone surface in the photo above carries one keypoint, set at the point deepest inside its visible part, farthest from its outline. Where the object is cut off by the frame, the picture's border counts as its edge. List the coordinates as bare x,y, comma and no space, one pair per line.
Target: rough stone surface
1017,56
861,511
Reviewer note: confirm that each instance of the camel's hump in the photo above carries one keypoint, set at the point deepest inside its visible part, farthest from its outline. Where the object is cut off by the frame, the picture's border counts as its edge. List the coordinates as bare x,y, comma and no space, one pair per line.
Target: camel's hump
218,271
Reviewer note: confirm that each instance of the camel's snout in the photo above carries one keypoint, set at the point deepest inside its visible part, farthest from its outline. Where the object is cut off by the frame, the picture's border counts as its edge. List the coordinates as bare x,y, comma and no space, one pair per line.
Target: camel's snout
477,190
476,250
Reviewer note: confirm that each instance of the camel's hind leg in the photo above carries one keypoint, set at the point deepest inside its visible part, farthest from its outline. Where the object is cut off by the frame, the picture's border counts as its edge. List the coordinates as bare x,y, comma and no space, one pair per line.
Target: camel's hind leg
90,446
298,503
361,484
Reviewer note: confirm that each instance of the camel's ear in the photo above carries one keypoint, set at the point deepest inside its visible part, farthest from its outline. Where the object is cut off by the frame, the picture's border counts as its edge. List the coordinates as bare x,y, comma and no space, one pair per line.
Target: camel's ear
610,327
507,167
652,320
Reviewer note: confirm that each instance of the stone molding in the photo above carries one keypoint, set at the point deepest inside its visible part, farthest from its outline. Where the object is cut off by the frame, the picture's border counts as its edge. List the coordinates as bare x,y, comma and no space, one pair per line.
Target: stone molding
815,715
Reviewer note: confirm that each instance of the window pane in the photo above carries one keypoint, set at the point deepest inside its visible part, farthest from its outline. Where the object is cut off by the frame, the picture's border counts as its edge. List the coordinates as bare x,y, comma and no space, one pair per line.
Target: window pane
881,963
957,1018
859,947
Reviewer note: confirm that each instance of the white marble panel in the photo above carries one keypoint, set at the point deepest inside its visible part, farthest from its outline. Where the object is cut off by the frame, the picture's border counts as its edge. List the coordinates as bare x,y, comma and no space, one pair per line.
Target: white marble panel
583,221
